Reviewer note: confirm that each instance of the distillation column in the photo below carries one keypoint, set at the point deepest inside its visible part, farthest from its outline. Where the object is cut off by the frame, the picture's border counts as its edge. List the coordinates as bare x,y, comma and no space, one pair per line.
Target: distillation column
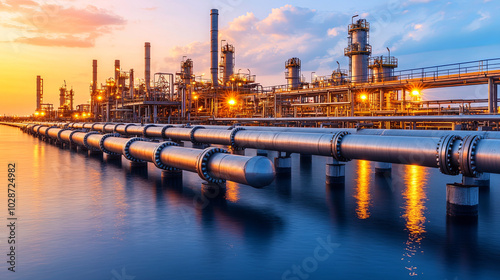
358,50
227,62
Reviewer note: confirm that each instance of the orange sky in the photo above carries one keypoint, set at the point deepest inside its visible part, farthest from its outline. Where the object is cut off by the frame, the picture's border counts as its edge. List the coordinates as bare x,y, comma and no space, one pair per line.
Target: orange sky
58,39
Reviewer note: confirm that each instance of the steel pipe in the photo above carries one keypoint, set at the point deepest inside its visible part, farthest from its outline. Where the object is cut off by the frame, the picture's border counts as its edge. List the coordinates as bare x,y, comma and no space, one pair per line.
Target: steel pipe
211,164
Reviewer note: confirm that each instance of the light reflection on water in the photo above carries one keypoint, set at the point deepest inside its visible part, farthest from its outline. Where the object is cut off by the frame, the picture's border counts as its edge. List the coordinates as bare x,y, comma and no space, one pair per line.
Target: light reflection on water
363,197
415,178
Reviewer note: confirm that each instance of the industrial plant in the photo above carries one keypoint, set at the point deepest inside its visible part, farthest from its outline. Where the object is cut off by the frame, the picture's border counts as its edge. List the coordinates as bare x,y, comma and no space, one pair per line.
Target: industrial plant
370,87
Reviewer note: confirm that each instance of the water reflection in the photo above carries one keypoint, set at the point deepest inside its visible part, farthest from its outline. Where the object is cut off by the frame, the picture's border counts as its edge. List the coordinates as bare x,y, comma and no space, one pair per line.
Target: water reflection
362,195
415,178
232,191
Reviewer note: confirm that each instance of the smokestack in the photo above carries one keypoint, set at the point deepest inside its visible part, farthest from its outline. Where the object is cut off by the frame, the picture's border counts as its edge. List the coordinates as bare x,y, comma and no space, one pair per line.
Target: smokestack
147,71
117,71
39,88
94,76
214,43
131,83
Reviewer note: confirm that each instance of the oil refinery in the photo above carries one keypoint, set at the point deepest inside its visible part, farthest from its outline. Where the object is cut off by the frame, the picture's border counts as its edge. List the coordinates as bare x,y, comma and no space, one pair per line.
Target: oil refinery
370,87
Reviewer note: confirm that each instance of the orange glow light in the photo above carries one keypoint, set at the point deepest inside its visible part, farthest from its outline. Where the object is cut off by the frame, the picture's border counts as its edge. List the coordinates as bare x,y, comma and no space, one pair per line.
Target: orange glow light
364,97
231,102
99,98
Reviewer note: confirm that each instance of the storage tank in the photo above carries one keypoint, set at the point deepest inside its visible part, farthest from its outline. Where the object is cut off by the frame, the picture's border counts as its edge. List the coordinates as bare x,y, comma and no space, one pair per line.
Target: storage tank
382,67
292,73
358,50
227,62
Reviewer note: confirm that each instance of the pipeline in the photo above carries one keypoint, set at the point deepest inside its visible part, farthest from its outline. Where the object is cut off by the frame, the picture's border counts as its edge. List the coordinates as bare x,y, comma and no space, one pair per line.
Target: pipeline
212,164
453,152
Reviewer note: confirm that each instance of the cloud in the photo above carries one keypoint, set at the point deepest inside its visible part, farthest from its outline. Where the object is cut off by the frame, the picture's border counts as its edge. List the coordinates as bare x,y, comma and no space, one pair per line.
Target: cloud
264,44
66,41
476,24
318,38
56,25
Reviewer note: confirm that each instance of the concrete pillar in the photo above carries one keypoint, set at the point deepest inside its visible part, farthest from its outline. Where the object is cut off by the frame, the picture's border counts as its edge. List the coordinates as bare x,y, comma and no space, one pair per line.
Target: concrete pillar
262,153
383,168
335,172
462,199
283,165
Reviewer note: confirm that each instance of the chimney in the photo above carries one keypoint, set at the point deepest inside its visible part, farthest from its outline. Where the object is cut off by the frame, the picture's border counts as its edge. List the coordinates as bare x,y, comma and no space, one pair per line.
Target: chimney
94,76
214,45
39,90
117,71
147,71
131,83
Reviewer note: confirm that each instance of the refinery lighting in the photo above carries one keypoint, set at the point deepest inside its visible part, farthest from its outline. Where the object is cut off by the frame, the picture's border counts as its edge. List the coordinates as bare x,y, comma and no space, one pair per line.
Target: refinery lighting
363,97
99,98
415,92
231,102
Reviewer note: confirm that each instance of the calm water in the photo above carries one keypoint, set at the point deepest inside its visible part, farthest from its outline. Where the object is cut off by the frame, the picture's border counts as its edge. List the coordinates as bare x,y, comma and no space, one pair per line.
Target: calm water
83,218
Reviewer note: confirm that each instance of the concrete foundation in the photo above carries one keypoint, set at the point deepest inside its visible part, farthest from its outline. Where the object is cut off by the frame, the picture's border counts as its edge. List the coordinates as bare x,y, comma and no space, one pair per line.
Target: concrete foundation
383,168
462,200
335,172
283,165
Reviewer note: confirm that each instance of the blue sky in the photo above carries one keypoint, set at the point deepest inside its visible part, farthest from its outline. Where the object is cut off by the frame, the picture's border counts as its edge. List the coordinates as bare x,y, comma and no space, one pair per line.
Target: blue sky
39,36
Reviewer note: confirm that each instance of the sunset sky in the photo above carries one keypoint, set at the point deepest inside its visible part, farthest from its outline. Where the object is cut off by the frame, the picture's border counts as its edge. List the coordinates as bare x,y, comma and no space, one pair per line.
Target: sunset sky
58,39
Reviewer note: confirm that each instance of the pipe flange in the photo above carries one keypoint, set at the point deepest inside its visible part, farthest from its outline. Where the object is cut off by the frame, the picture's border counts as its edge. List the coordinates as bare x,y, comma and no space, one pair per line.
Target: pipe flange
38,129
92,127
443,154
101,143
231,137
127,126
116,125
126,147
47,130
191,133
86,144
467,156
156,156
163,131
336,142
145,128
104,127
202,164
71,135
59,134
